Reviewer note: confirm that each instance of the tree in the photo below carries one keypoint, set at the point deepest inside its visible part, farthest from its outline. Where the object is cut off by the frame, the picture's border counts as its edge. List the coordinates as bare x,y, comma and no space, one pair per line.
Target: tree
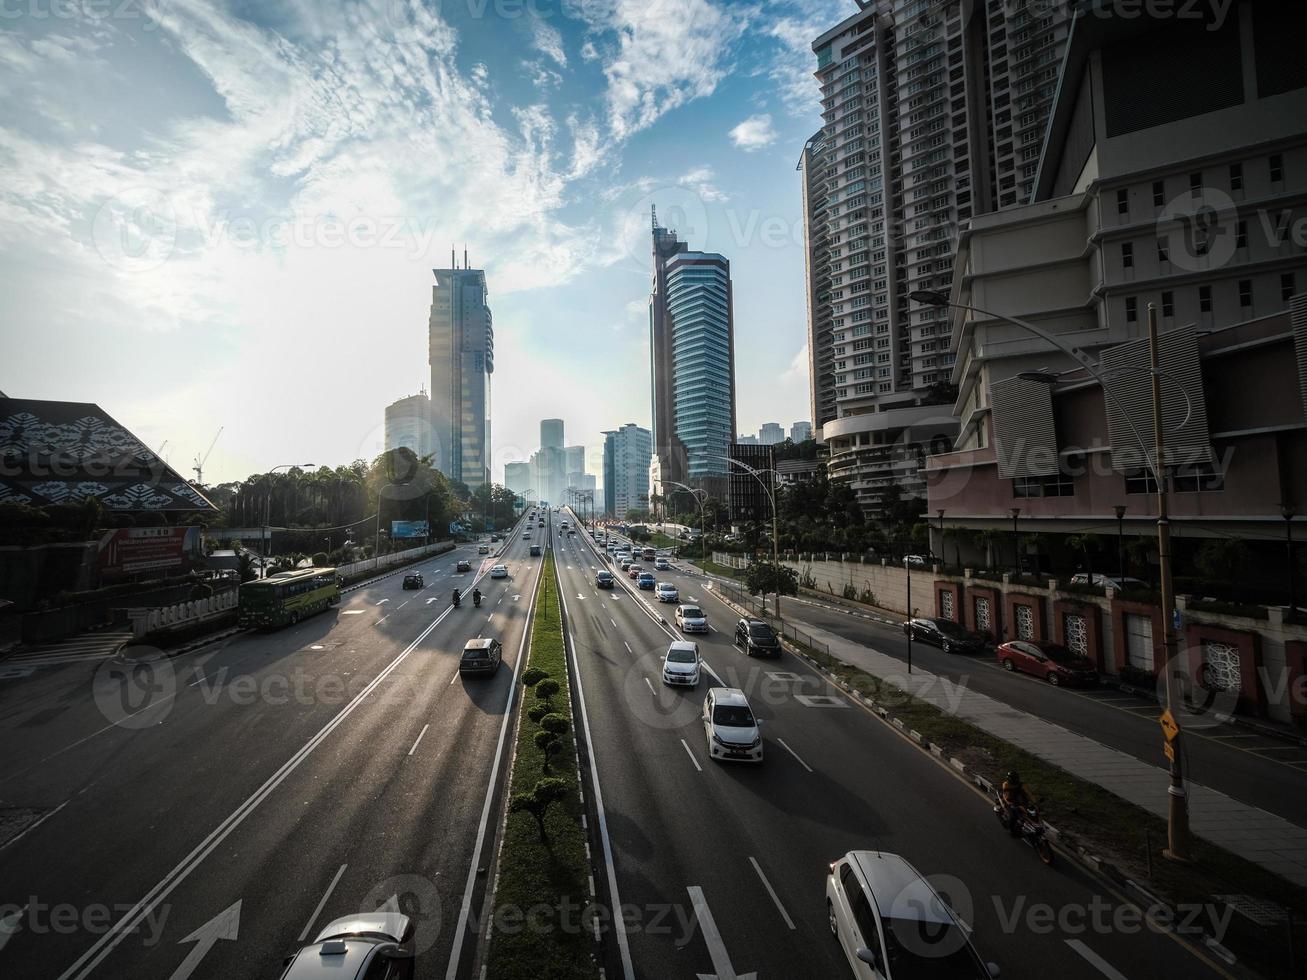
762,577
544,794
548,743
1222,559
1087,544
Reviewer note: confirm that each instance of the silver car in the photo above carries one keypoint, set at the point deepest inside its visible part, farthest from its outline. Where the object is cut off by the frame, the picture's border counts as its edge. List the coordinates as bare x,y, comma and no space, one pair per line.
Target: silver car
377,944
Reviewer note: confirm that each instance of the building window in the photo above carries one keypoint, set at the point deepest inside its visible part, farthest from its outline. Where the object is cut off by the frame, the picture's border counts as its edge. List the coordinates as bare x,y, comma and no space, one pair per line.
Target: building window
1287,287
1123,201
1204,299
1277,168
1131,309
1241,235
1168,304
1057,485
1140,481
1245,293
1195,185
1236,176
1127,255
1199,478
1159,194
1163,251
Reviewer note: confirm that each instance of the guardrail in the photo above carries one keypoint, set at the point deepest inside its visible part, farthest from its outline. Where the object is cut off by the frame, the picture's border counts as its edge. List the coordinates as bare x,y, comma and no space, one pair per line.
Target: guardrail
394,558
182,614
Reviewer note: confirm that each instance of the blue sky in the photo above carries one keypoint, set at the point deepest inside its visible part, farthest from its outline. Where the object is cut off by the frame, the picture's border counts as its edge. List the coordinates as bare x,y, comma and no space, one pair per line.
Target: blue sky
225,214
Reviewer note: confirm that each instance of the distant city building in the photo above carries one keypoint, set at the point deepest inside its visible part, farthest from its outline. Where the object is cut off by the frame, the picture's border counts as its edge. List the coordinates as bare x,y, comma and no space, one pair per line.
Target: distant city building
517,478
551,433
792,471
408,424
549,463
627,452
747,441
800,432
461,353
770,434
574,466
691,331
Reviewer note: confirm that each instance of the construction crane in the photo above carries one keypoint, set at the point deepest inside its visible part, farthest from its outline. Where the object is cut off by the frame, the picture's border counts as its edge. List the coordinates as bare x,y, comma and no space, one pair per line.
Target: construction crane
199,463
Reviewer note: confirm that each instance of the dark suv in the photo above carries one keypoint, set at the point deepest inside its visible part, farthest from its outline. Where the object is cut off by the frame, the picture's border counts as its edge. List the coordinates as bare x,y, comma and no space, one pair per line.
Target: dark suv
413,580
945,634
757,638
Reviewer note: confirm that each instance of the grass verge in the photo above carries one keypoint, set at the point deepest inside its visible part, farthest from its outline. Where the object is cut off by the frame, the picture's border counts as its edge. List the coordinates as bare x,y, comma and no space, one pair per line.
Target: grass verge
538,930
1122,834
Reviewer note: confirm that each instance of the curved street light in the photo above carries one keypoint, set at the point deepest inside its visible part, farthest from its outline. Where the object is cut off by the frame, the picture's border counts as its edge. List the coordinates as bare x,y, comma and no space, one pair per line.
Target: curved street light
1180,846
703,517
775,540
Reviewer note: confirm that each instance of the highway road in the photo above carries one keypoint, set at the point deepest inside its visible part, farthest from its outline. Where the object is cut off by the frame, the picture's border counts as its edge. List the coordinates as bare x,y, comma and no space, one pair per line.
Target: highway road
755,842
279,779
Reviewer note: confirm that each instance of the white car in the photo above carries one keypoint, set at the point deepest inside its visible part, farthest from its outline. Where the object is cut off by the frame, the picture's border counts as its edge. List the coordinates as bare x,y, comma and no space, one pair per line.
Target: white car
681,664
667,592
730,727
691,619
499,571
891,923
661,564
379,944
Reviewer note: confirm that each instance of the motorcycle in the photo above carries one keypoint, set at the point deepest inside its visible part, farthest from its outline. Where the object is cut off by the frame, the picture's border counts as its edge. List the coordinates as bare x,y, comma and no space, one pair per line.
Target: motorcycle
458,601
476,599
1030,827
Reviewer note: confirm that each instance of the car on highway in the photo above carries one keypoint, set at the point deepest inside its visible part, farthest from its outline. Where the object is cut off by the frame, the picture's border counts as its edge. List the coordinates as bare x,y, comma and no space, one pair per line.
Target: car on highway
691,619
667,592
645,580
1054,663
527,534
757,638
604,579
414,580
945,634
463,565
623,563
662,564
542,522
499,571
921,561
649,554
730,727
483,549
891,922
536,551
681,664
376,944
633,570
480,656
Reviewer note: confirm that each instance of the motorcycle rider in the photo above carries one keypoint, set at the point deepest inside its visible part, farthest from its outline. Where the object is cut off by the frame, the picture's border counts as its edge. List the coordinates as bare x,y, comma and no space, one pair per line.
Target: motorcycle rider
456,597
1016,799
476,597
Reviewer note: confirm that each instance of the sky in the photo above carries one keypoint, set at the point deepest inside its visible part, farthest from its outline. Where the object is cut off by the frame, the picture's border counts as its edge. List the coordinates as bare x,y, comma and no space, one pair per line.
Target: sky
224,215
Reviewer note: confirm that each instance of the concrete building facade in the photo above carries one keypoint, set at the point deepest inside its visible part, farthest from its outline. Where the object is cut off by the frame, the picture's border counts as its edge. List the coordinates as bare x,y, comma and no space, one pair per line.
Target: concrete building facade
627,452
409,424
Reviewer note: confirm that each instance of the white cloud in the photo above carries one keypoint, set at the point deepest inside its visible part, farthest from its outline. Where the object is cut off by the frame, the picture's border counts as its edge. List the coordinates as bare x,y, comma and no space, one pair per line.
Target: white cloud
549,41
754,133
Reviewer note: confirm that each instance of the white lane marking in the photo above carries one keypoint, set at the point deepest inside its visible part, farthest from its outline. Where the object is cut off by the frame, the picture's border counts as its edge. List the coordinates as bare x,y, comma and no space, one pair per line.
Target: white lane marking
359,612
382,601
796,755
1096,961
613,621
623,944
704,665
721,960
28,830
12,923
381,620
419,738
404,603
772,892
651,687
690,752
628,647
322,902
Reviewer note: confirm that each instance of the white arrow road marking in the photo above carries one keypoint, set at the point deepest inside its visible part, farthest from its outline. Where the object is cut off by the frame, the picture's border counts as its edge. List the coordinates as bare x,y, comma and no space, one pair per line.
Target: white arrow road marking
721,960
382,601
516,597
224,925
11,925
579,596
431,600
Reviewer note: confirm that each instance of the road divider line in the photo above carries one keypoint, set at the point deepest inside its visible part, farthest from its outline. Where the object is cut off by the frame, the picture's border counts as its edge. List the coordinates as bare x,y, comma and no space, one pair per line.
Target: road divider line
651,687
322,902
772,892
690,752
1096,961
420,734
793,753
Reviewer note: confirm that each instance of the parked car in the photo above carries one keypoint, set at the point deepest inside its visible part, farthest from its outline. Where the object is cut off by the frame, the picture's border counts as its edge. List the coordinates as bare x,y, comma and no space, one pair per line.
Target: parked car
730,727
603,579
945,634
645,580
681,664
757,638
463,566
891,922
499,571
691,619
375,944
414,580
921,561
1113,581
480,656
1056,664
667,592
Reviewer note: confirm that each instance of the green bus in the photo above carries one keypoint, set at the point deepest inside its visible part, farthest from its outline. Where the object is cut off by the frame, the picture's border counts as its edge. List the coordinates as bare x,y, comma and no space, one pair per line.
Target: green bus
287,597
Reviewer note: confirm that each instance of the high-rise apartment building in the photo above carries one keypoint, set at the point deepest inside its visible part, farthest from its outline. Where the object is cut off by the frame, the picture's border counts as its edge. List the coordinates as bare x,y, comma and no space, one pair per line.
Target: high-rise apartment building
692,353
933,113
461,351
408,424
627,452
800,432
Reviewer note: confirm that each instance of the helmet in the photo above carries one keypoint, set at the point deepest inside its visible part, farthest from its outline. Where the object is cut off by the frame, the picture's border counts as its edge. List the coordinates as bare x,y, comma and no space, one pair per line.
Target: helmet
1013,777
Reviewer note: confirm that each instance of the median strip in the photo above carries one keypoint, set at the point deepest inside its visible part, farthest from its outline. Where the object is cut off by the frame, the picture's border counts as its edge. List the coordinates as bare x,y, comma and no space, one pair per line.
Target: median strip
541,893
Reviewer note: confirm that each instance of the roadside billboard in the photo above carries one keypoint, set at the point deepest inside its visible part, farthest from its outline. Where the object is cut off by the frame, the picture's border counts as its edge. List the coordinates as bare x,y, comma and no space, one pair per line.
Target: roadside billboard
408,529
132,550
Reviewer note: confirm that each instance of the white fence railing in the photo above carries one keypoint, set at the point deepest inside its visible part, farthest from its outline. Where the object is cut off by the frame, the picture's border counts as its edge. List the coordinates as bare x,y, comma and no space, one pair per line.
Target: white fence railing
730,561
394,558
181,613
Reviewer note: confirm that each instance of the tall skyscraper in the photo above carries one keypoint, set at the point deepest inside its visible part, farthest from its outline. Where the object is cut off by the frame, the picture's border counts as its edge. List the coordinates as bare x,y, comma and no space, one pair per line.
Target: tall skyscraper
770,434
517,477
627,452
551,433
800,432
408,423
461,346
692,353
933,114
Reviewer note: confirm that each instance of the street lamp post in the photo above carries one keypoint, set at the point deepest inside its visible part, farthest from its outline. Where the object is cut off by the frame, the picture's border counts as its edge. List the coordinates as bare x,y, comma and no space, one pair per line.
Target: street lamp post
775,539
703,518
940,512
1289,513
267,511
376,534
1180,844
1016,543
1120,541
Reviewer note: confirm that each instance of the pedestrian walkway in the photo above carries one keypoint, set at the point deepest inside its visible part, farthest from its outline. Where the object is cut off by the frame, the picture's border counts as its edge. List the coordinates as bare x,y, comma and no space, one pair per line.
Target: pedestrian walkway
1252,833
92,646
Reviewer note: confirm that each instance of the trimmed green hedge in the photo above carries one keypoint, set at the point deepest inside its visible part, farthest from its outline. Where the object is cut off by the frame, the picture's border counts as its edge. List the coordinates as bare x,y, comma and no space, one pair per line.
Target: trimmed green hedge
538,930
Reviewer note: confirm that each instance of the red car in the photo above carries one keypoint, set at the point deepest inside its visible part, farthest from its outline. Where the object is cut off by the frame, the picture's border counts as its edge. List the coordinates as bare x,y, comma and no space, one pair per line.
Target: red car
1056,664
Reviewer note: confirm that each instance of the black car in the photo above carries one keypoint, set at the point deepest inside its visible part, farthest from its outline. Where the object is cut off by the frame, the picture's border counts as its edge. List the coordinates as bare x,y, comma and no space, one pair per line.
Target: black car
535,550
945,634
757,638
480,656
603,579
413,580
463,566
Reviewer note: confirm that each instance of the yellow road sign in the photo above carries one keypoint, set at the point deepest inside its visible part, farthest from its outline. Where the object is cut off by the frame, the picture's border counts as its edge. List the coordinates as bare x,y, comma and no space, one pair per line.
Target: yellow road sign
1170,752
1169,728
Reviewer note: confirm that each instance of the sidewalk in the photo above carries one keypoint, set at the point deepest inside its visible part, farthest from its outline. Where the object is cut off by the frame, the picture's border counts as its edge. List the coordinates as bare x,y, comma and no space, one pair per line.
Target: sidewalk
1252,833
